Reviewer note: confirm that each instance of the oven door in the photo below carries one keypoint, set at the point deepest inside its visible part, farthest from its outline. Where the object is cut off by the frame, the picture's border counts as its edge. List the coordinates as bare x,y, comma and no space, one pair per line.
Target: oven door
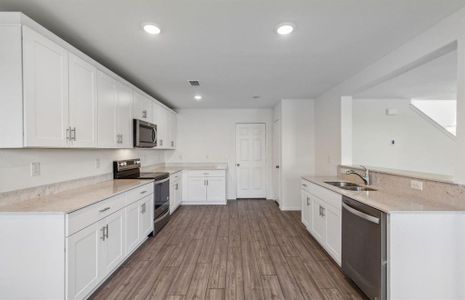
145,134
162,197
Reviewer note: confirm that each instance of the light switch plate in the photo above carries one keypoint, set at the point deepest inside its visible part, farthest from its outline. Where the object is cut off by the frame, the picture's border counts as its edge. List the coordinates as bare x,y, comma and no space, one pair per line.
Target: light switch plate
416,185
35,169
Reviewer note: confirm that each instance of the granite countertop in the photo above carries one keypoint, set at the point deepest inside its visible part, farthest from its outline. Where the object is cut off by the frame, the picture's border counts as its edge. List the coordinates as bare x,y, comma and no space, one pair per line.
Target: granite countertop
386,201
74,199
174,168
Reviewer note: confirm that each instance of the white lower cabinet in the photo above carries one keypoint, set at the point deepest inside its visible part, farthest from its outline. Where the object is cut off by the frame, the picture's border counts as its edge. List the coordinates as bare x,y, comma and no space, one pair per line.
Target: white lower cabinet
82,261
175,191
146,206
321,214
205,187
306,209
96,250
111,249
132,227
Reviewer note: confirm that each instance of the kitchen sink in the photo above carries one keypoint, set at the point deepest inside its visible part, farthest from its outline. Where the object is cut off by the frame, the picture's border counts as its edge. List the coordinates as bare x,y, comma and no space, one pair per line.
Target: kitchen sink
341,183
350,186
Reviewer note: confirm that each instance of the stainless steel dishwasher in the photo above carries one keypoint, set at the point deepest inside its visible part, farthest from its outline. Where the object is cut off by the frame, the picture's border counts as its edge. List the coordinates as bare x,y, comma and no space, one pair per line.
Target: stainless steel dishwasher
364,257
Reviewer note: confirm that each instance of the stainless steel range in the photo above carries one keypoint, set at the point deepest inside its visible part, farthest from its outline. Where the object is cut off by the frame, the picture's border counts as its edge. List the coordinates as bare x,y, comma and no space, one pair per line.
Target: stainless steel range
130,169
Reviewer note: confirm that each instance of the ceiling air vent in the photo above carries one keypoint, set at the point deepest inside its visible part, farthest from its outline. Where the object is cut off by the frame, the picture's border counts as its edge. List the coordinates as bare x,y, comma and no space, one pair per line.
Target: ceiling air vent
193,83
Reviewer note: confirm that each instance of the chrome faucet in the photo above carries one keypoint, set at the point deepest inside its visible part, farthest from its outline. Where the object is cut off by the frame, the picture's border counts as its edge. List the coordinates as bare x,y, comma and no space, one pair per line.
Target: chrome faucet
365,178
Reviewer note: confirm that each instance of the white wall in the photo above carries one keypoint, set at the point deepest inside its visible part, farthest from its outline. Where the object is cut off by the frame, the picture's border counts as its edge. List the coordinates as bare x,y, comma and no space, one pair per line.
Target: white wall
58,165
328,105
419,144
209,135
297,148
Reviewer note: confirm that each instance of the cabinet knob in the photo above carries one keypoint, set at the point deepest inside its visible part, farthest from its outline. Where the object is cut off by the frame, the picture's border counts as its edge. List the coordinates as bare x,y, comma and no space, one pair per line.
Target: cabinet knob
238,165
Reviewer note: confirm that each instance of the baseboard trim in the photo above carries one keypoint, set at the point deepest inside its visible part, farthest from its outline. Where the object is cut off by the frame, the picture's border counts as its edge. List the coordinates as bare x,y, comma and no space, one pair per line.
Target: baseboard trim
289,208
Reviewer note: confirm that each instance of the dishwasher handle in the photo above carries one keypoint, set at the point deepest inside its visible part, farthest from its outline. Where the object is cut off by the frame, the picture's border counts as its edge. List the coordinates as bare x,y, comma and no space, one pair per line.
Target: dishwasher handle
361,214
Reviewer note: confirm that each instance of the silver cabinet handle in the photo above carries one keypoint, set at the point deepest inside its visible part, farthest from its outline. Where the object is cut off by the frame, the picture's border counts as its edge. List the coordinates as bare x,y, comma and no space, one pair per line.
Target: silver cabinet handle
207,181
144,114
308,201
161,142
176,186
73,134
104,209
142,210
172,143
303,184
121,138
106,236
103,233
68,133
143,192
360,214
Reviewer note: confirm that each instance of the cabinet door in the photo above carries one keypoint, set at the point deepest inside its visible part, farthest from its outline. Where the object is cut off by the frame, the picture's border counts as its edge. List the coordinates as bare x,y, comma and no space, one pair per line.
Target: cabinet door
161,119
216,189
172,128
319,220
142,108
196,189
113,245
306,209
45,85
131,227
178,192
124,116
146,211
107,102
333,232
82,102
82,260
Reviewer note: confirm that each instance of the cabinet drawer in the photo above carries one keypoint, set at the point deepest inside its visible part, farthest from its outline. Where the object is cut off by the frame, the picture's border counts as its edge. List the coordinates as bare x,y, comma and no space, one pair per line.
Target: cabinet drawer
139,193
86,216
305,185
330,197
214,173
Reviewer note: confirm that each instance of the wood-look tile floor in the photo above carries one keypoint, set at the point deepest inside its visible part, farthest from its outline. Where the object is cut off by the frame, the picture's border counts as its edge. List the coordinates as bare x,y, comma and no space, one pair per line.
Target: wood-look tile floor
248,249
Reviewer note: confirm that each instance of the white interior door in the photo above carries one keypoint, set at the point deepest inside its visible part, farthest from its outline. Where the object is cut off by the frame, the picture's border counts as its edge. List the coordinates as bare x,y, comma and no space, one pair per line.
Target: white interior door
251,160
277,160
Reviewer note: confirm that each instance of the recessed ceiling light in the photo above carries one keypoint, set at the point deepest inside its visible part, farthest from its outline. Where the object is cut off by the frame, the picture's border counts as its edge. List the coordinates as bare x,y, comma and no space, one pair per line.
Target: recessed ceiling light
284,28
151,28
198,97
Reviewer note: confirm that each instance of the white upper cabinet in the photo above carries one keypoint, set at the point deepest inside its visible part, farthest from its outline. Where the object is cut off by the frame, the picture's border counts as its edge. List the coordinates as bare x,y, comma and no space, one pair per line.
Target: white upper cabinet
124,116
56,97
172,129
160,114
45,80
107,103
142,108
82,102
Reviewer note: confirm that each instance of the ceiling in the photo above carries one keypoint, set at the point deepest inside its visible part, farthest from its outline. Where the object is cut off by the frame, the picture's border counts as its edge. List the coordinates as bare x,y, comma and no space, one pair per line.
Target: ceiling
230,45
434,80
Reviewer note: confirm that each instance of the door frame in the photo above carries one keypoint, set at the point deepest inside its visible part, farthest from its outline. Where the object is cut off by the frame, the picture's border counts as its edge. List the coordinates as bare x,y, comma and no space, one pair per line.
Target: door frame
265,170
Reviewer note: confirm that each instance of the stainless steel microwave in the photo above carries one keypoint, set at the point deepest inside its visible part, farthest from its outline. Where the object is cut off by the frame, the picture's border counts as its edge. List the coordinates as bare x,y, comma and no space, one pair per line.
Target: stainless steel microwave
145,134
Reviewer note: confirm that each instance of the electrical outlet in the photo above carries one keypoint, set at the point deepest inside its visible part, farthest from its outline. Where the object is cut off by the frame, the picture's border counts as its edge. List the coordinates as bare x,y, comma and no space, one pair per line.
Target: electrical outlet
35,169
416,185
97,163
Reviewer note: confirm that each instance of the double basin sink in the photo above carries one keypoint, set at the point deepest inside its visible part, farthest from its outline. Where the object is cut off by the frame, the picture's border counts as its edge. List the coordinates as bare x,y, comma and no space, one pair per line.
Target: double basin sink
350,186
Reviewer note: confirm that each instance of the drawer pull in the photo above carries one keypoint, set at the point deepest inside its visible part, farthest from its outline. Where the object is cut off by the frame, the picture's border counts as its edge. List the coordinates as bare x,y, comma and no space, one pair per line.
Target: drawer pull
105,209
303,184
143,192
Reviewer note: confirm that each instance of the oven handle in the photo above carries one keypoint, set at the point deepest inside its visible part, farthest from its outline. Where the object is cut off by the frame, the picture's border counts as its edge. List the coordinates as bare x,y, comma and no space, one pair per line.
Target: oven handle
163,216
161,181
361,214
